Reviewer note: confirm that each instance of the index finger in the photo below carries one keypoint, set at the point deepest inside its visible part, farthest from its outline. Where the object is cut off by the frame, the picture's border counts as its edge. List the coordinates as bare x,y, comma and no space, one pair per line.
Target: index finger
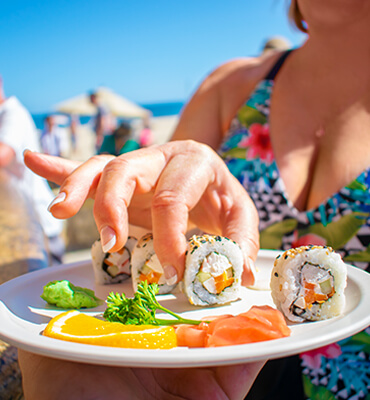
54,169
120,179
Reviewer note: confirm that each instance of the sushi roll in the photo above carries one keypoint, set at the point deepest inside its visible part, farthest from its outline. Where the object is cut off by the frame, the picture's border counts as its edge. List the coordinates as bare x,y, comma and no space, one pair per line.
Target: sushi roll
146,266
112,267
213,270
308,282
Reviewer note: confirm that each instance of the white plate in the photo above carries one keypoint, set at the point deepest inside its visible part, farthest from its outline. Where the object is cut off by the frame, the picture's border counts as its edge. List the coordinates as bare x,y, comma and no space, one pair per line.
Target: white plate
23,315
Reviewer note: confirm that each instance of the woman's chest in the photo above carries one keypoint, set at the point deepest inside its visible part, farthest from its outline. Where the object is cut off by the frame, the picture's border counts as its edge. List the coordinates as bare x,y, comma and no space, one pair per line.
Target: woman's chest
317,156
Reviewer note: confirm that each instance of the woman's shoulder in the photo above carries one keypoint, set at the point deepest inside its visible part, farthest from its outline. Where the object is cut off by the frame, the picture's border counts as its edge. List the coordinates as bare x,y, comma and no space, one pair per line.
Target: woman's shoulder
234,81
218,98
243,72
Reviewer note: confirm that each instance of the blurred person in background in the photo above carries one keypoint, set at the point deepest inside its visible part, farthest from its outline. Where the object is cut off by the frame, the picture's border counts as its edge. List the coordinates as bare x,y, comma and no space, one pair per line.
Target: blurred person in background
18,133
146,134
103,122
73,127
120,141
51,138
276,43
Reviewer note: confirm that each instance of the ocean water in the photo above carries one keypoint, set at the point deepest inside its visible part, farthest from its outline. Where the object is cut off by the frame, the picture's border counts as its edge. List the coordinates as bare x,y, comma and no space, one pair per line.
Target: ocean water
157,109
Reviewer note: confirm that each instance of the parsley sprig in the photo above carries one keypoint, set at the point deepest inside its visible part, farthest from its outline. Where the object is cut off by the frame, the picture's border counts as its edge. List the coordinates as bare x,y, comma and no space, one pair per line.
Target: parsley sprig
141,309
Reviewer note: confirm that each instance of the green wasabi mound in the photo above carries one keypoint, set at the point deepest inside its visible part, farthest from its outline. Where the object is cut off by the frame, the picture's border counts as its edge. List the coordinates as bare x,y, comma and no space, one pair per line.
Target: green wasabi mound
64,294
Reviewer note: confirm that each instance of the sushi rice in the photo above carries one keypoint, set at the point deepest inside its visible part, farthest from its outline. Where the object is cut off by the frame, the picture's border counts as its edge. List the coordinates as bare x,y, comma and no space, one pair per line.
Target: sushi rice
308,282
146,266
213,270
112,267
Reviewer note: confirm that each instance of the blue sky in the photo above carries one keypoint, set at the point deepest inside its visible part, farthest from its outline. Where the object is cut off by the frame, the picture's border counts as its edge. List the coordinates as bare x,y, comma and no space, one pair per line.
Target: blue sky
148,51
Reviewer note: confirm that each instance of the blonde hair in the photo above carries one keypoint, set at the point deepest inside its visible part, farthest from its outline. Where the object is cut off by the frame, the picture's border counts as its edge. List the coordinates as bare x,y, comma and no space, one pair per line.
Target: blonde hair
296,17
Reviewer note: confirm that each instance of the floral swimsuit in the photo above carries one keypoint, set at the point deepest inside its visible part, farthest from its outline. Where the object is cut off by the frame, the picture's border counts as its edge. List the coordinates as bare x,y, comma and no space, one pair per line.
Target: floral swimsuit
341,370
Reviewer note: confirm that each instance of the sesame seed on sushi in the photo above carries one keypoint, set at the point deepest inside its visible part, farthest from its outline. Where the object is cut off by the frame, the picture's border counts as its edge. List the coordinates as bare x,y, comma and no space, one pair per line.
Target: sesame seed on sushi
308,282
213,269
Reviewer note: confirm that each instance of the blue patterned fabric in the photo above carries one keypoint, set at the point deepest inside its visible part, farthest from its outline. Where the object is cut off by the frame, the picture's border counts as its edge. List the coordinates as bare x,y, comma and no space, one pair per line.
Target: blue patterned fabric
341,370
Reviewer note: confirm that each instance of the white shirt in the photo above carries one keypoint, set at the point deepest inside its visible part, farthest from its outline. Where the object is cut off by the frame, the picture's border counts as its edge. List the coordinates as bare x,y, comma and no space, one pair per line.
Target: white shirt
51,142
18,131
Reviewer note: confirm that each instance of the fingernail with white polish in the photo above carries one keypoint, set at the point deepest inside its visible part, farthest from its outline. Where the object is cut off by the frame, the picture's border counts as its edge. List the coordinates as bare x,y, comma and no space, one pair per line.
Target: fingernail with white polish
108,238
170,275
58,199
26,151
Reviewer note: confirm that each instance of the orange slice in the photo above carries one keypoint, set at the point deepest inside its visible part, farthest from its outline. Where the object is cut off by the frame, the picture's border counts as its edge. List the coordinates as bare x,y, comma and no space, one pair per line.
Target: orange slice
74,326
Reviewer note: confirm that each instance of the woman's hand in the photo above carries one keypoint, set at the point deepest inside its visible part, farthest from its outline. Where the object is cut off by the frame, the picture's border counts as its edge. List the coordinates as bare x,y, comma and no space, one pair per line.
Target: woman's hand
163,188
46,378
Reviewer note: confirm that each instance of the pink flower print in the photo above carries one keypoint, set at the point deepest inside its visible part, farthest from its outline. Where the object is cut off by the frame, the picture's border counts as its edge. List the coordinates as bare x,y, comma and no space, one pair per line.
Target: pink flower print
258,143
305,240
313,358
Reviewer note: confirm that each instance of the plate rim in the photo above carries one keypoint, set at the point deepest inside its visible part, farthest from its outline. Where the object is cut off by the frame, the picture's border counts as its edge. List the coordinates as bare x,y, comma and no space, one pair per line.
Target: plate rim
178,357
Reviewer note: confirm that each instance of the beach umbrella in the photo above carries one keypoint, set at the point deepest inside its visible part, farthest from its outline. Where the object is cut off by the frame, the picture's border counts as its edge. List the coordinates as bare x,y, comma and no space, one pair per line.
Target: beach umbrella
116,104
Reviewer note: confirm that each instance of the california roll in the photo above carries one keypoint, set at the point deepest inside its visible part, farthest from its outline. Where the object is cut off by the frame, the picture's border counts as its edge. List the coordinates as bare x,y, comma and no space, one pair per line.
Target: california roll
308,282
213,270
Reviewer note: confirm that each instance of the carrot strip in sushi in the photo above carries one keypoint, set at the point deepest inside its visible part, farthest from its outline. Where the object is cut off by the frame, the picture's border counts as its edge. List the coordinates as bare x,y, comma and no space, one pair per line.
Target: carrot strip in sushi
308,283
147,267
258,324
